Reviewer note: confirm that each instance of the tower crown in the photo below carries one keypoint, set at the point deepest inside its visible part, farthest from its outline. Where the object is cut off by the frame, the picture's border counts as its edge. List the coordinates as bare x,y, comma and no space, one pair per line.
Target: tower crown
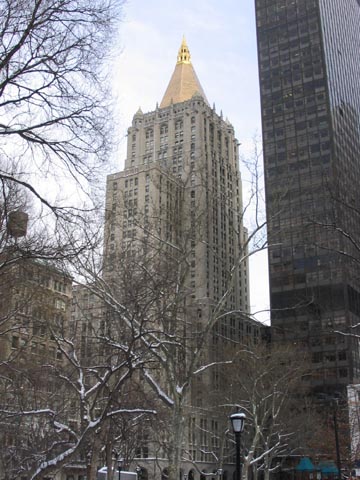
184,53
184,83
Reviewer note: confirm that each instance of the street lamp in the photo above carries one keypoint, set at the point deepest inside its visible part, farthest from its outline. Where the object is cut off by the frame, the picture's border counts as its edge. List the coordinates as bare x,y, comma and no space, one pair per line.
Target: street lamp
238,423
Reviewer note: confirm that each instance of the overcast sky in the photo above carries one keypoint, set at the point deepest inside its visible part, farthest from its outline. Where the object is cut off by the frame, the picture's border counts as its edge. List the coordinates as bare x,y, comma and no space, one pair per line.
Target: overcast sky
222,40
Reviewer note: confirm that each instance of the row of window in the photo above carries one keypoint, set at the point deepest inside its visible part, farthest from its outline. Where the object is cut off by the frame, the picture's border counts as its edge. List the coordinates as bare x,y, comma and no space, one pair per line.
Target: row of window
36,348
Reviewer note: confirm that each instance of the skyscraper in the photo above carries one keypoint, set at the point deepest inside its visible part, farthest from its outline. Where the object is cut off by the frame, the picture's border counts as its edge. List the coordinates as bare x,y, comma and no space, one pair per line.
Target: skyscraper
182,179
309,67
176,211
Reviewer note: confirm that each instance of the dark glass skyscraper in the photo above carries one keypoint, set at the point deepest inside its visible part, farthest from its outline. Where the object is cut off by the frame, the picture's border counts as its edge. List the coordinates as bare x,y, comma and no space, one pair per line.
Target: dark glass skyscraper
309,67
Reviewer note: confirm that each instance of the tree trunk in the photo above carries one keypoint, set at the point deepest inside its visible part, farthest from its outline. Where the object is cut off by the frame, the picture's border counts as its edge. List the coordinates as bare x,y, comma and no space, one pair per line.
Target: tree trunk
94,459
245,469
254,472
176,443
109,460
267,463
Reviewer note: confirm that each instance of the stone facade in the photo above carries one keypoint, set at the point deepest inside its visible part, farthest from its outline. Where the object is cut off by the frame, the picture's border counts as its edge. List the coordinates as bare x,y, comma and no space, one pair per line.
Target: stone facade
180,193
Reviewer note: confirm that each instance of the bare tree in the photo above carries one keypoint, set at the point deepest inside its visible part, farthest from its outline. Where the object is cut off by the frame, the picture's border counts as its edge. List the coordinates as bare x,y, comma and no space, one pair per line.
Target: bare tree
54,109
147,282
68,409
267,383
60,385
54,133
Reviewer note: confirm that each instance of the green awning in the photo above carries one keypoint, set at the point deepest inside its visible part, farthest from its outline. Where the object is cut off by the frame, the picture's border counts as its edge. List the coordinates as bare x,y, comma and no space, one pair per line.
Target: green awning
328,468
305,465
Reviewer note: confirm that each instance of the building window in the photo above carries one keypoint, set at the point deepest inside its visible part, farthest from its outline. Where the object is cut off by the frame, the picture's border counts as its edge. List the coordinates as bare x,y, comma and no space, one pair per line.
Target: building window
178,124
342,355
163,129
60,304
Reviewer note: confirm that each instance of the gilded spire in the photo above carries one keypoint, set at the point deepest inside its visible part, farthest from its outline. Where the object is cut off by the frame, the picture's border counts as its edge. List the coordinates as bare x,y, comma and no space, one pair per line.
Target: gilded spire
184,83
184,52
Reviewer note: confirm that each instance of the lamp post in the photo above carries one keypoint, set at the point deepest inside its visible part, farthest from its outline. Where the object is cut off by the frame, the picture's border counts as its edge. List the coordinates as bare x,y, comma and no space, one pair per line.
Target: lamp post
238,423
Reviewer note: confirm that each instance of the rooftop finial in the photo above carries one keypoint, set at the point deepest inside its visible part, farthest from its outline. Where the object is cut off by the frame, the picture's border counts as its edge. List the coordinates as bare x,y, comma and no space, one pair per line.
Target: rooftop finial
184,52
184,83
139,113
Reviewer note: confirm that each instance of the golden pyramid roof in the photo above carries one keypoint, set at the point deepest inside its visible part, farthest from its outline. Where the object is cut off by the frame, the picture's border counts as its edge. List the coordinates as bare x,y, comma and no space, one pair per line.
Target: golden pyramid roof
184,83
